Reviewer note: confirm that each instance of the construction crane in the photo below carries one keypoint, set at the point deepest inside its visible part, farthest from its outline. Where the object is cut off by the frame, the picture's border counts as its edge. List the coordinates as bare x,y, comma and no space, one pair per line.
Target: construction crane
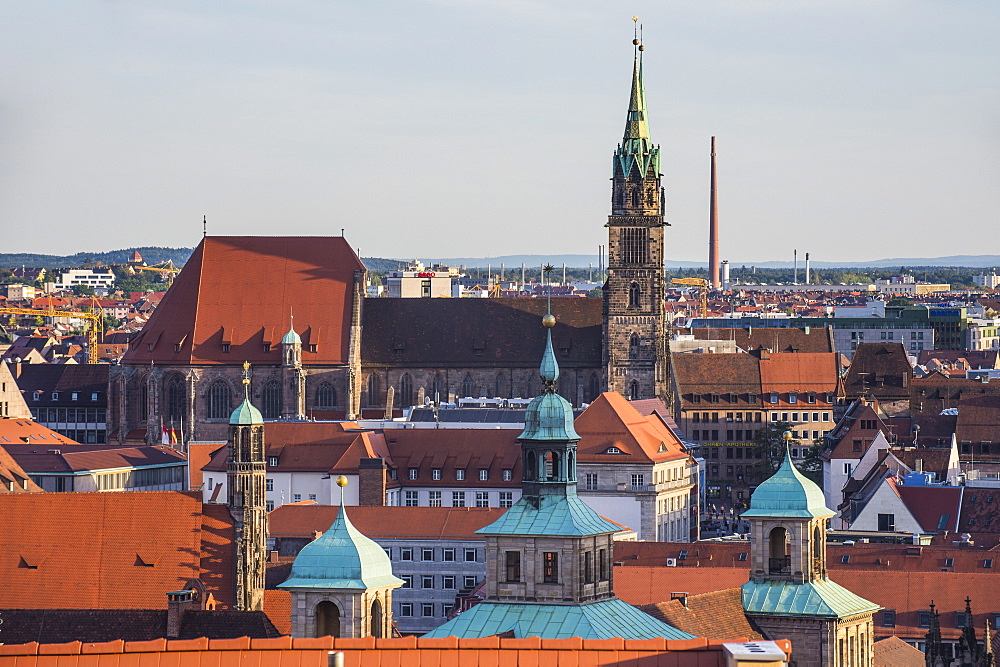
167,271
702,286
94,323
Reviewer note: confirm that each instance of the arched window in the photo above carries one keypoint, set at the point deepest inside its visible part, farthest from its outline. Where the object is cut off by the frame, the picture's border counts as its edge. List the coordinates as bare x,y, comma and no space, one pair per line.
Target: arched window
501,385
326,395
636,194
634,295
438,393
327,619
633,390
405,391
468,386
595,387
374,391
779,561
818,544
376,617
220,400
176,399
633,346
143,398
529,466
270,399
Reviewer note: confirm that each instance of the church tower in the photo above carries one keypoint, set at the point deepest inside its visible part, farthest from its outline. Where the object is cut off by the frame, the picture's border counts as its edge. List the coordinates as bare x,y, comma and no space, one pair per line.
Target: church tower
549,558
292,376
789,594
341,583
245,473
636,353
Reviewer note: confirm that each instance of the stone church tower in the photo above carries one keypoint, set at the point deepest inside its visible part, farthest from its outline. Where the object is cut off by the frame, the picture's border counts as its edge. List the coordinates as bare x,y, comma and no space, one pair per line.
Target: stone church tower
636,352
245,471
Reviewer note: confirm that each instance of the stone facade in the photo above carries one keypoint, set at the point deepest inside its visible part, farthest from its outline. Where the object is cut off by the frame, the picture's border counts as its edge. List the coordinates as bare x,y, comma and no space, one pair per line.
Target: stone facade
245,469
342,613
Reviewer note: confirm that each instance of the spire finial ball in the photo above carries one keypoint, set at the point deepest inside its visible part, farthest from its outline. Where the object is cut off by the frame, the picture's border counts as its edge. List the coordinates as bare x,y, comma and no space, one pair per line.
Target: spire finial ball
635,41
642,48
787,435
341,481
549,321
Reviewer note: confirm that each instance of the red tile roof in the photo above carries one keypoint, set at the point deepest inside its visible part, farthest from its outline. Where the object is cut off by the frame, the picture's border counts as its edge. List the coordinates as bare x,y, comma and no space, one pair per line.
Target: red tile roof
800,372
121,550
715,615
240,290
935,508
449,449
894,652
816,339
611,421
449,523
371,652
14,431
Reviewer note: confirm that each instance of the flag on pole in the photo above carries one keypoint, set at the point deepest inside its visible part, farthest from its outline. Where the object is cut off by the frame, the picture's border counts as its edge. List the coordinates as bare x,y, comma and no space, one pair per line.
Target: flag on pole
173,436
164,435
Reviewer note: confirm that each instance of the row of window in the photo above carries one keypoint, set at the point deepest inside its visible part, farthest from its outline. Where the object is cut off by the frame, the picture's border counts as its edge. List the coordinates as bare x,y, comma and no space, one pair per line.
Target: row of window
73,395
70,415
924,619
219,399
427,610
457,498
132,479
550,567
430,582
430,554
771,397
506,474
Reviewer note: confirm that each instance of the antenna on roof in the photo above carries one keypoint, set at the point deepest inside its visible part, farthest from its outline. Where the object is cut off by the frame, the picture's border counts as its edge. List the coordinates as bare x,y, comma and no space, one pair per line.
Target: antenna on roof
204,226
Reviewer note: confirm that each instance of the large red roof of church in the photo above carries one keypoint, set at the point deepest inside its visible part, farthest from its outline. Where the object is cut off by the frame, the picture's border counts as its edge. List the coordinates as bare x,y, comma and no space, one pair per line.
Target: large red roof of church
237,293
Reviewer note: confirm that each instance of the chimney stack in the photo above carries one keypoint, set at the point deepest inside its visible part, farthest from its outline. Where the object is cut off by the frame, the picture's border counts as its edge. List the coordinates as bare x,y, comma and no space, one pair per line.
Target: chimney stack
807,269
713,229
371,482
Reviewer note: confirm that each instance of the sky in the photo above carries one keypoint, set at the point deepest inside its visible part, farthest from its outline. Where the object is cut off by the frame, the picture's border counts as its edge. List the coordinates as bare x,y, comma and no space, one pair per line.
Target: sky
852,129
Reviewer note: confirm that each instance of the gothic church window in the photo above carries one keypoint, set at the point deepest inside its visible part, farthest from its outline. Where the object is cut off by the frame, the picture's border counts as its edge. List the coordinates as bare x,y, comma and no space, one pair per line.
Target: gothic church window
634,246
374,391
143,400
405,390
595,387
176,398
501,385
326,396
633,390
633,346
220,400
634,295
468,386
437,389
270,400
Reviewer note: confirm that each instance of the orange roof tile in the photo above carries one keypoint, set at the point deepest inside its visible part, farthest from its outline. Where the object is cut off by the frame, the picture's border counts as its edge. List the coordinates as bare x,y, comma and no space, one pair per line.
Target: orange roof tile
14,431
799,372
367,651
612,421
121,550
242,288
385,522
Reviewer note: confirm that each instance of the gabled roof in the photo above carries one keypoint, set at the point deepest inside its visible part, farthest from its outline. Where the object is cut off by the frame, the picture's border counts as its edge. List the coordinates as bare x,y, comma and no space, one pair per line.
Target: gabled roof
611,421
880,370
775,339
239,290
894,652
26,431
715,615
737,373
120,550
479,332
36,458
935,508
423,450
800,372
13,478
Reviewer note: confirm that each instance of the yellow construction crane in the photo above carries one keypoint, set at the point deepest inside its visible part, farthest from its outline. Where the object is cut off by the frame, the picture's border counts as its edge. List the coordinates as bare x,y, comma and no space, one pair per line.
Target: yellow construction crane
702,286
168,271
95,322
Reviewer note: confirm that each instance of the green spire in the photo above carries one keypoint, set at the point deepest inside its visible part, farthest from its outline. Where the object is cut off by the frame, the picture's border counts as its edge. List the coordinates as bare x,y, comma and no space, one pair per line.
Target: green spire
245,413
549,369
788,493
636,148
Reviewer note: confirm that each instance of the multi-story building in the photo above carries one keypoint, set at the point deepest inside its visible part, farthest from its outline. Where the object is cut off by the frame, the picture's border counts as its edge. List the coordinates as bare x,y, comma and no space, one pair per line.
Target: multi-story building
418,281
724,399
69,398
102,279
987,280
63,467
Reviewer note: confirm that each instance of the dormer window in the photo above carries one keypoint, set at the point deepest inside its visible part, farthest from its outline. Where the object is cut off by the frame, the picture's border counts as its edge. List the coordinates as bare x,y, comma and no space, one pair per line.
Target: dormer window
272,461
460,474
55,396
792,399
225,348
313,348
612,450
267,347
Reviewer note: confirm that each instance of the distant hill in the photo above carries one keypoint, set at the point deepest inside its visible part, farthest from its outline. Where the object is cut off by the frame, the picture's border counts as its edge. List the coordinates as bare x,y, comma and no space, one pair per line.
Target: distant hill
151,254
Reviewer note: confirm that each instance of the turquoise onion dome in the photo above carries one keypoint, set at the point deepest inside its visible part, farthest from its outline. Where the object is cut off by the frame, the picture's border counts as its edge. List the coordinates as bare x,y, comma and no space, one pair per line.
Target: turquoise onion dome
246,414
291,338
788,493
549,416
342,557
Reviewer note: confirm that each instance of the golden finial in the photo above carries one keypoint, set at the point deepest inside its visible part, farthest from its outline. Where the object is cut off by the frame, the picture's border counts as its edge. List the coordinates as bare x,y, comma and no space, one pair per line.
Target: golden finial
246,372
341,481
549,321
635,31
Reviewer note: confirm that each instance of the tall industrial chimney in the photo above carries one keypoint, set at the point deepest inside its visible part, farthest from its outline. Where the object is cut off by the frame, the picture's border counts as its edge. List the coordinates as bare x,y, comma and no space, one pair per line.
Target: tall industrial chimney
807,268
795,263
713,230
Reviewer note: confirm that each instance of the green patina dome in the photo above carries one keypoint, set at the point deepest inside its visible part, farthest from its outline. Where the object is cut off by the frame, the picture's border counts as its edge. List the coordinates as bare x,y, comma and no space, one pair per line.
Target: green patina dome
788,493
341,558
291,338
246,414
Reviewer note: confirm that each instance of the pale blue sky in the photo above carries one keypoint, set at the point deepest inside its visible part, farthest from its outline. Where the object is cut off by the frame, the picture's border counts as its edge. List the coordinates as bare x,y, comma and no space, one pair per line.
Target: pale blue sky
851,129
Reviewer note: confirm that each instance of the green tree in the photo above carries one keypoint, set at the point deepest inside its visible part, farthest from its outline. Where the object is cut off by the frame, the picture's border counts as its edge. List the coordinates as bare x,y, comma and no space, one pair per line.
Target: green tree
769,450
899,301
83,290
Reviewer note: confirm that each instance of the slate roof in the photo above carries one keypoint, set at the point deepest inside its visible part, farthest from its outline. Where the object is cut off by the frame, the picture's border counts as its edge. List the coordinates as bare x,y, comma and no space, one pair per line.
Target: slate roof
441,333
715,615
111,550
783,339
239,290
52,626
597,620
